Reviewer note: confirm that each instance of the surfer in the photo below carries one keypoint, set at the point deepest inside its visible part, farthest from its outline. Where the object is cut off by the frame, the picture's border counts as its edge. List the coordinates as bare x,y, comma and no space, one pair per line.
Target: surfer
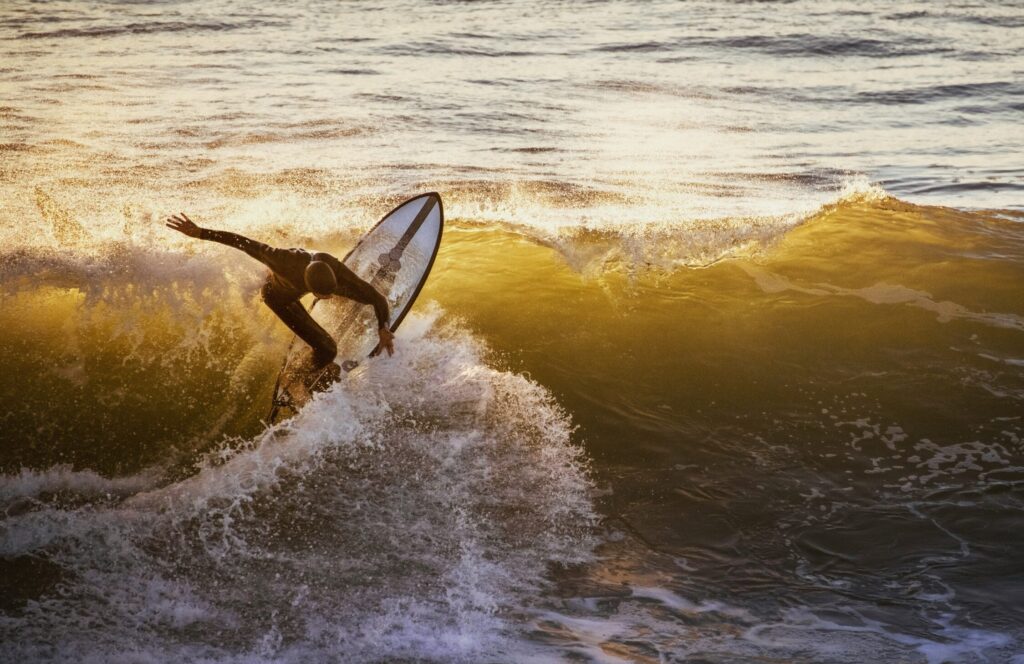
295,272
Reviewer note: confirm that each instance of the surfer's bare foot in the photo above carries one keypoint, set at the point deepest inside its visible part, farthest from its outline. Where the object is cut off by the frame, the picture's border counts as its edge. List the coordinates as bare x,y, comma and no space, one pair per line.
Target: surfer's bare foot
387,342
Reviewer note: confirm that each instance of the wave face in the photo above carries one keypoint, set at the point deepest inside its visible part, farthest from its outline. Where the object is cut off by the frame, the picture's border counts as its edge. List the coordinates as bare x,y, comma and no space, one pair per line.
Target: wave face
766,440
721,359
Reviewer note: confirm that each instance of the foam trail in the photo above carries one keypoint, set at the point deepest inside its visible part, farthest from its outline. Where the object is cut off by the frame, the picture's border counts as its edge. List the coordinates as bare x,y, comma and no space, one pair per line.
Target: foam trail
883,293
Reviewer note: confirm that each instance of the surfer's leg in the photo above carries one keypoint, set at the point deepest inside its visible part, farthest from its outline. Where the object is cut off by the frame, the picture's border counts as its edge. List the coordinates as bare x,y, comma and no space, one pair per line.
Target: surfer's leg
302,324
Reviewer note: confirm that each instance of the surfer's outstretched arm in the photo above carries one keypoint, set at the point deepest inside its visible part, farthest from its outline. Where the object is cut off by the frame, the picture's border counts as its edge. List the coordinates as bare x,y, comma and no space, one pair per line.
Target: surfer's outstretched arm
264,253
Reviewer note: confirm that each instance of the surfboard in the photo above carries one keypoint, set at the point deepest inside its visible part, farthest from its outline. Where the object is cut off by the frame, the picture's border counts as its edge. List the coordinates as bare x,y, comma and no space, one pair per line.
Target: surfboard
395,257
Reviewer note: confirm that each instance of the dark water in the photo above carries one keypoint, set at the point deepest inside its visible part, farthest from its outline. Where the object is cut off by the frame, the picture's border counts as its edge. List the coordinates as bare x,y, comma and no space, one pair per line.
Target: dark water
721,360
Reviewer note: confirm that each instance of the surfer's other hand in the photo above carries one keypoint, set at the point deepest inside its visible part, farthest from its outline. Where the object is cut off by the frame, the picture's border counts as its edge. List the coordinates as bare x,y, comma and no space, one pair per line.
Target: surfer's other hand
182,224
387,341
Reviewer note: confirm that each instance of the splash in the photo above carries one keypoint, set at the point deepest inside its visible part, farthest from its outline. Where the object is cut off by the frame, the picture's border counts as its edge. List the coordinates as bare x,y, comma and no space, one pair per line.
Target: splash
405,513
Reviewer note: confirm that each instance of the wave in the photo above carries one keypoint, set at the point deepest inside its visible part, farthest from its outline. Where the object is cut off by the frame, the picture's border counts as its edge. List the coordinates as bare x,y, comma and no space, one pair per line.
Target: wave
305,133
928,94
452,49
816,45
792,45
145,326
402,516
149,27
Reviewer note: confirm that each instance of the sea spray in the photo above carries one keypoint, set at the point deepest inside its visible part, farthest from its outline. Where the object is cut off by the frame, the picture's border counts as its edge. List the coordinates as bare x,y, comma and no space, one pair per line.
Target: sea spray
401,514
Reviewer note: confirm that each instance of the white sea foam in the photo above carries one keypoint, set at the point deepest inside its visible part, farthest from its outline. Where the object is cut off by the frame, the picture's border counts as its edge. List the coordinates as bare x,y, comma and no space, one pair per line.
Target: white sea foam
803,628
401,514
29,483
627,629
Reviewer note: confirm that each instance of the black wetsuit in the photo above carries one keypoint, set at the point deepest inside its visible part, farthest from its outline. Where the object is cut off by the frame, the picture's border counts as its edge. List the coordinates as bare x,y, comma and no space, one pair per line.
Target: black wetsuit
287,283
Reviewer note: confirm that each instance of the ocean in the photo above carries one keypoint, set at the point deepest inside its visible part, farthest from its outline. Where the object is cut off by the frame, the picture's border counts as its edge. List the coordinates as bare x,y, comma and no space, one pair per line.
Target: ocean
721,359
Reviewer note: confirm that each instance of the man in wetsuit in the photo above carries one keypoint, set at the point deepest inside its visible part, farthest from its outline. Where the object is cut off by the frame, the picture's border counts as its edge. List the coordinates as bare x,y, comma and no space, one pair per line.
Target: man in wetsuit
295,272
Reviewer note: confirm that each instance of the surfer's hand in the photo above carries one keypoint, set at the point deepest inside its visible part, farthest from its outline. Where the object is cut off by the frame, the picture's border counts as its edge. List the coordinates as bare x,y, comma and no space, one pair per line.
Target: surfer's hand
387,341
183,224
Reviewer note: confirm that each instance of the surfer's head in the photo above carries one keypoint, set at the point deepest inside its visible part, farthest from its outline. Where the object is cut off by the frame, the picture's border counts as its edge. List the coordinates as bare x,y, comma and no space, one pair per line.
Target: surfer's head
320,279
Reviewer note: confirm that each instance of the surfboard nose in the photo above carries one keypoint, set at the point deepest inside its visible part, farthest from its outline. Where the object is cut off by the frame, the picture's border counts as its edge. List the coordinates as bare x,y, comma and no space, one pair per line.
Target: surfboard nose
433,195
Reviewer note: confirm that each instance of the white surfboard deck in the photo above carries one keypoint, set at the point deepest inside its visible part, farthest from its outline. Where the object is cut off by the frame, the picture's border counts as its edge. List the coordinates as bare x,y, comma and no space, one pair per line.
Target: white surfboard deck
395,256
